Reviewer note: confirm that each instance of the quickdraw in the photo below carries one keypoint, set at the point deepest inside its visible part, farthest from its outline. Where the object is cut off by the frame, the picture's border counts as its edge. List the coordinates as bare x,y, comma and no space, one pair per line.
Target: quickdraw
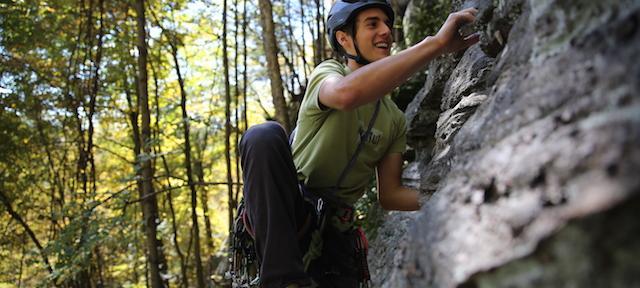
362,247
244,267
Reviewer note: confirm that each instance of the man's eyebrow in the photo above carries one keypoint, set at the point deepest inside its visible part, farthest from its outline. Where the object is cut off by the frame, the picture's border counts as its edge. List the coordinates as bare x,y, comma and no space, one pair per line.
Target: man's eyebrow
370,18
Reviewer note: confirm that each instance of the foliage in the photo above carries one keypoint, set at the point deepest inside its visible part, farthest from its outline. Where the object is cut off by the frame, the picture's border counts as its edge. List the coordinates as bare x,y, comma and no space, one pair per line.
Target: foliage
70,154
68,104
423,18
368,213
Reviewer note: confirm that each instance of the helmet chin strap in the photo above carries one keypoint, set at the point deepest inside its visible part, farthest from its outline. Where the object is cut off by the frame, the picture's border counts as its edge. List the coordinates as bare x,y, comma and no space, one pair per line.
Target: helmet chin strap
358,57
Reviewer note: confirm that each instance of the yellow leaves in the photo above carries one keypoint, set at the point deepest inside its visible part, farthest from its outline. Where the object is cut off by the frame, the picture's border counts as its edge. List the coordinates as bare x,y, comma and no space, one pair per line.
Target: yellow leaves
49,9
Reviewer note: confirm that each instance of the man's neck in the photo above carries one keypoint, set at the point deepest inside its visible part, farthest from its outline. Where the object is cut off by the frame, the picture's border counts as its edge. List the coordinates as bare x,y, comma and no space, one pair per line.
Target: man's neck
353,65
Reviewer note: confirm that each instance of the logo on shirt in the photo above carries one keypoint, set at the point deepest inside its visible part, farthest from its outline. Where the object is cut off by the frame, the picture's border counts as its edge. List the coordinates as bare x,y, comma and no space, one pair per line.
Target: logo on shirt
373,137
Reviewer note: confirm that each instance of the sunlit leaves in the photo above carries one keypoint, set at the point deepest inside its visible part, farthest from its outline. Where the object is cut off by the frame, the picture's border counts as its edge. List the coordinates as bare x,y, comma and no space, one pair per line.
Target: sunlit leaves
48,67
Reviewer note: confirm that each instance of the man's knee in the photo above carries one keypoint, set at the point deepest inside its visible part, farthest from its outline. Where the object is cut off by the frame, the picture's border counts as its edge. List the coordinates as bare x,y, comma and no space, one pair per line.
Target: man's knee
263,137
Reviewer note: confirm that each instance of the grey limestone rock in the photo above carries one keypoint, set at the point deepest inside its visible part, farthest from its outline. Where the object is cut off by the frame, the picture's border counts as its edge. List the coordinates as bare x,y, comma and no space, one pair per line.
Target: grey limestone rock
423,112
531,162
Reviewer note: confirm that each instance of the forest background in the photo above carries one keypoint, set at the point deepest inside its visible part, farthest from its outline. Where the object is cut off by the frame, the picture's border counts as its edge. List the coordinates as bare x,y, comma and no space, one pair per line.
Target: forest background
118,125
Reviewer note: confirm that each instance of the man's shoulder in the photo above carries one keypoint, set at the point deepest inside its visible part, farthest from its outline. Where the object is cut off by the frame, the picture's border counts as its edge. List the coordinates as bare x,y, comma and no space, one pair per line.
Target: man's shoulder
330,65
321,72
390,106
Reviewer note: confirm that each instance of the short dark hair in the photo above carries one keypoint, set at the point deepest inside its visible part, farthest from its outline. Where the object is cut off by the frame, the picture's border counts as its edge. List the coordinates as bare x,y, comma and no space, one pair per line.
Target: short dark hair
350,29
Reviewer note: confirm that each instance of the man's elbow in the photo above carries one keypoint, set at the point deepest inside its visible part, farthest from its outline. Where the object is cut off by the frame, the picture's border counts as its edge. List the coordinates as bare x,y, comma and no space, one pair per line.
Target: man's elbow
341,103
348,99
385,203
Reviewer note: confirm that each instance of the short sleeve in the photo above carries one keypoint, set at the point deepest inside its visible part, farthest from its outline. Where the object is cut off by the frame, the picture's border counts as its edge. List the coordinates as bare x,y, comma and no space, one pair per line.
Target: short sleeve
311,101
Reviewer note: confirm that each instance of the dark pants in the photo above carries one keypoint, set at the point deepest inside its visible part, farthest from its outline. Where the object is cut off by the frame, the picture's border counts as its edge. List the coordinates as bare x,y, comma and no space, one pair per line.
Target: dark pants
277,211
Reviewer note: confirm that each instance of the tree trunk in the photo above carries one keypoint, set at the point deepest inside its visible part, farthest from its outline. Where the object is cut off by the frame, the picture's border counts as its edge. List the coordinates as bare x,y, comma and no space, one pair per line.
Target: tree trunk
155,256
183,260
271,50
93,96
244,64
227,114
187,164
184,281
86,163
236,97
199,171
398,31
100,267
304,44
317,51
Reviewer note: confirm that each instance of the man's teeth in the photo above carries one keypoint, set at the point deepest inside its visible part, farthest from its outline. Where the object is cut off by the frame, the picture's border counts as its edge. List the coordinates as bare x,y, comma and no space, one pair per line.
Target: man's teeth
382,45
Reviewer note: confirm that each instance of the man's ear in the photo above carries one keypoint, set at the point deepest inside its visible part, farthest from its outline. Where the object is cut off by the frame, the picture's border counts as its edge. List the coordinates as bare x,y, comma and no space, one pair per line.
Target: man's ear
343,39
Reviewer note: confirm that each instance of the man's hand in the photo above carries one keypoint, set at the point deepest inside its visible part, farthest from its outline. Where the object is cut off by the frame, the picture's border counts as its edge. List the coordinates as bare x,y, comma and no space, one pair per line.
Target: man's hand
371,82
448,37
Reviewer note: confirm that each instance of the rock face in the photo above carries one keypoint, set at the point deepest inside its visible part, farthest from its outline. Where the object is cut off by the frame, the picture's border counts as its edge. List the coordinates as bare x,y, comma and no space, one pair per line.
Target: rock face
528,153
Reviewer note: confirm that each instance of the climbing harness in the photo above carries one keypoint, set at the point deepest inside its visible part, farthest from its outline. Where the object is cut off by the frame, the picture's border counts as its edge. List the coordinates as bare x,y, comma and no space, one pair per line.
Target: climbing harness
244,268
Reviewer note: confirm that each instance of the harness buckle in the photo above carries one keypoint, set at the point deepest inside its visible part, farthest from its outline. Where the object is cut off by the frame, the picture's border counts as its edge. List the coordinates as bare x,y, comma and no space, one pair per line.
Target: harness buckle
319,206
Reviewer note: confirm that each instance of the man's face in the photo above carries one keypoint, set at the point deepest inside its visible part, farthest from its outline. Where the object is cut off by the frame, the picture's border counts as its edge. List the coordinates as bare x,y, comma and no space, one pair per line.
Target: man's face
373,34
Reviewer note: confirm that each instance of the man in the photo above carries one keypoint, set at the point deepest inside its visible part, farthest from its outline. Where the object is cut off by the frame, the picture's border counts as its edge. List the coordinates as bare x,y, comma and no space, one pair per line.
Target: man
338,106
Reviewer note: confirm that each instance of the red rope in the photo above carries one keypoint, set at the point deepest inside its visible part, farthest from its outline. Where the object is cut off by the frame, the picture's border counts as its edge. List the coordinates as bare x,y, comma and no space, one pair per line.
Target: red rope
247,224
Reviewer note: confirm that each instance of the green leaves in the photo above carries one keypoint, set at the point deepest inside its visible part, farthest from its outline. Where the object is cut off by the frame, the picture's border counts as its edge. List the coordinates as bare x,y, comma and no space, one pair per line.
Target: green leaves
72,175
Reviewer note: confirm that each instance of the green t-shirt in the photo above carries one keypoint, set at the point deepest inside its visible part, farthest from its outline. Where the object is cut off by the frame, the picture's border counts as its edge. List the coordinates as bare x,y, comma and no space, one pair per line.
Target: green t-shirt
326,139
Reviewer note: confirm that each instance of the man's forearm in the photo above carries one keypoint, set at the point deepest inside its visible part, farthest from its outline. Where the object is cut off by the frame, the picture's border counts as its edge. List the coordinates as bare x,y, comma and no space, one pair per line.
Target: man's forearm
377,79
403,199
372,81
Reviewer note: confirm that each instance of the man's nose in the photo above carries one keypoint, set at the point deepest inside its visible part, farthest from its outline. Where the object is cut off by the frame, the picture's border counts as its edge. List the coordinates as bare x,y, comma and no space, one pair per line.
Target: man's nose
385,30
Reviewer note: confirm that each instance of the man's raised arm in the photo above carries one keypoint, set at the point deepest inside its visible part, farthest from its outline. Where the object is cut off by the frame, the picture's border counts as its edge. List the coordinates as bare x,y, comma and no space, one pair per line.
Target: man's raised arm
371,82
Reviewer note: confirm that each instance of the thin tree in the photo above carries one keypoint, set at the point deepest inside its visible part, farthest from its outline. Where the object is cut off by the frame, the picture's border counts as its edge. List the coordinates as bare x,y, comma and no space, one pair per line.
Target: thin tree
158,148
187,163
236,94
245,22
199,171
227,114
304,45
155,256
93,95
317,46
273,67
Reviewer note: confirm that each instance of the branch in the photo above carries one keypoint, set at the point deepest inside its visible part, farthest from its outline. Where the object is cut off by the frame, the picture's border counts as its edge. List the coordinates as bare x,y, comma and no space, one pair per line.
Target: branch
26,227
178,187
112,196
268,116
114,154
